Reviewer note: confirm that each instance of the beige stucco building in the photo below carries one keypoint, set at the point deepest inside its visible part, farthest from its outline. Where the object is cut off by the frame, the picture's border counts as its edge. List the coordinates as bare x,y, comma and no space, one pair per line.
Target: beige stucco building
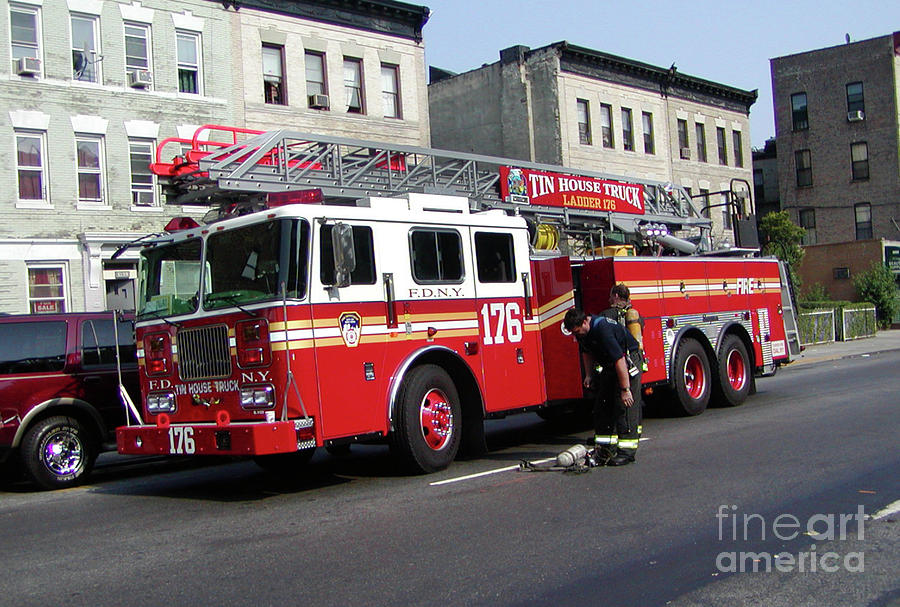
576,107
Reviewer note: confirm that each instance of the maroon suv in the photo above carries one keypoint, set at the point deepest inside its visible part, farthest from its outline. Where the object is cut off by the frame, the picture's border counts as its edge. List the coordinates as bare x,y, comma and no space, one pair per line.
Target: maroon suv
59,396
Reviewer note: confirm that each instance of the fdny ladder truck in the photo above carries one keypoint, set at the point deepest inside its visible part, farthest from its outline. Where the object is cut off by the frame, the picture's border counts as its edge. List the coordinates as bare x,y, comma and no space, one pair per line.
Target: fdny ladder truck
341,291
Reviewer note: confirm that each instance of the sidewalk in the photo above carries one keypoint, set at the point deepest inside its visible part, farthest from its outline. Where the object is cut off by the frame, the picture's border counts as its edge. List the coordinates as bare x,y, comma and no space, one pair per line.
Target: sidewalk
882,341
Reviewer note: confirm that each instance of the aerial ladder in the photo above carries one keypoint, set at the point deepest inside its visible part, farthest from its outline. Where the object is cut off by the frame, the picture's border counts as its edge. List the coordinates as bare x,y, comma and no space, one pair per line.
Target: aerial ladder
246,167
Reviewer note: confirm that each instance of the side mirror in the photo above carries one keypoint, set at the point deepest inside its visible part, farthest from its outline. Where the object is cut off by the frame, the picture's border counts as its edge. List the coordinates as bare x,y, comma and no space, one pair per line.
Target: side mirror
344,254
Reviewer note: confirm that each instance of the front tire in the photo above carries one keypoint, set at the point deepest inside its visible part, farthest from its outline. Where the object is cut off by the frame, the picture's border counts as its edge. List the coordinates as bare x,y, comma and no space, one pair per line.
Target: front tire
428,425
734,372
692,377
58,452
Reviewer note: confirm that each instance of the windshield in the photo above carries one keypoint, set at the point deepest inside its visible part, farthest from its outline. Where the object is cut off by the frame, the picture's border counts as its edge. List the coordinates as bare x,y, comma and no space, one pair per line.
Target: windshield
170,279
248,264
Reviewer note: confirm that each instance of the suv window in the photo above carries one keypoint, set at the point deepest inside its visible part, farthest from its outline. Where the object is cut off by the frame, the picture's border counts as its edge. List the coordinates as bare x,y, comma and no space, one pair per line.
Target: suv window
32,347
98,345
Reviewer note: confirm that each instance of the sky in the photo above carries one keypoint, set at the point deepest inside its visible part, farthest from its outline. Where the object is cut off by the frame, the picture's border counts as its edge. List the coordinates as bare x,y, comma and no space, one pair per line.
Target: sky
728,42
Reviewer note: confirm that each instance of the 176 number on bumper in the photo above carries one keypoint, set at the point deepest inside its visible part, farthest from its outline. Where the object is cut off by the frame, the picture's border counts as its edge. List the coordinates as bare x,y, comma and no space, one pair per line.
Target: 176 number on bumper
181,440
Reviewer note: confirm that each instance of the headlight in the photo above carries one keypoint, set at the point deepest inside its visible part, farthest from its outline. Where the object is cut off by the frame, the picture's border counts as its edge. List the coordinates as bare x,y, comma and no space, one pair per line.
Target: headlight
261,396
160,402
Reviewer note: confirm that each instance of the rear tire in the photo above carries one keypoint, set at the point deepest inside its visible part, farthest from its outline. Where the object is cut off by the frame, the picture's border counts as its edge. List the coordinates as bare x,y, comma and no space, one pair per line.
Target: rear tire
428,423
58,452
691,377
734,372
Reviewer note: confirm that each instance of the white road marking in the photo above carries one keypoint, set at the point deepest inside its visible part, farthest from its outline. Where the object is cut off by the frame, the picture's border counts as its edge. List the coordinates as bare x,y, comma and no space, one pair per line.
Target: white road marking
447,481
487,472
891,508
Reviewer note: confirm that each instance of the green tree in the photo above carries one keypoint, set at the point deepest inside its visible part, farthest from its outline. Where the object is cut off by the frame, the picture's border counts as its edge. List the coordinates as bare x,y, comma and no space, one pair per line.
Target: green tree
876,285
781,238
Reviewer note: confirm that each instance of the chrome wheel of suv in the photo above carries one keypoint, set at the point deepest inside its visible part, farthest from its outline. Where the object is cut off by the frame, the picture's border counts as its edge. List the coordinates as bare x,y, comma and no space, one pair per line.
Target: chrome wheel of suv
57,453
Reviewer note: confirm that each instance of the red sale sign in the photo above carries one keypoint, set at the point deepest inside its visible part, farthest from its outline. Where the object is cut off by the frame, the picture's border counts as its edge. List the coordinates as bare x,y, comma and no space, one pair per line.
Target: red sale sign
543,188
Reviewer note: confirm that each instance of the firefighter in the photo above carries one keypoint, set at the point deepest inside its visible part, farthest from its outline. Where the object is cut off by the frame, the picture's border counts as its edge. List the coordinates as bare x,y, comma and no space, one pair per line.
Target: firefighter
607,355
624,313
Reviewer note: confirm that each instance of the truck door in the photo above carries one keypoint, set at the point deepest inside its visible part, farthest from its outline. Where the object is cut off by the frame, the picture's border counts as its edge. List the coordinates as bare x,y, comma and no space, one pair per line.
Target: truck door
349,336
508,328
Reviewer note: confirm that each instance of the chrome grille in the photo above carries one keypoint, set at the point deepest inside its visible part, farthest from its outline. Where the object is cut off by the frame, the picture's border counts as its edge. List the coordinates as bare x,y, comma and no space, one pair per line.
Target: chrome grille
203,353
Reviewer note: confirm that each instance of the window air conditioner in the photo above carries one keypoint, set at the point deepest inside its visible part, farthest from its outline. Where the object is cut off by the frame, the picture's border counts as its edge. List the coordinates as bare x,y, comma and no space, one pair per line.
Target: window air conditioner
685,153
856,116
28,66
139,79
318,102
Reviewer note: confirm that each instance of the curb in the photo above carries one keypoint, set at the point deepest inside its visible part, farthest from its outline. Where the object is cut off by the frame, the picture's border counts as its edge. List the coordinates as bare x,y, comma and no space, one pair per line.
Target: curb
827,357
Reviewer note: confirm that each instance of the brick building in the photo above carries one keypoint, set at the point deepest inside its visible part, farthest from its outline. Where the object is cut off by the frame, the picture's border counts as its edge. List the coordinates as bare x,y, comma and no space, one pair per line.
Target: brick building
571,106
837,126
90,88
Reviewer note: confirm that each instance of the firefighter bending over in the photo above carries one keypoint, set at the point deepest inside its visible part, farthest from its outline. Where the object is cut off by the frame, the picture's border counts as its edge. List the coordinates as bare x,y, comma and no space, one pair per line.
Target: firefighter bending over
607,352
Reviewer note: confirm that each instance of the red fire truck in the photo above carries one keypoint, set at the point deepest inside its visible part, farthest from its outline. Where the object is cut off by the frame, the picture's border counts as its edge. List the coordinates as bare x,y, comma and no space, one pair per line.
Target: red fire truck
343,291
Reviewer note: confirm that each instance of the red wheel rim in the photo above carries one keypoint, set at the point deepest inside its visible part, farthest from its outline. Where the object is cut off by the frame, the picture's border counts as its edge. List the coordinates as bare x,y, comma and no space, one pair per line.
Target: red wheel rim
436,419
737,371
694,376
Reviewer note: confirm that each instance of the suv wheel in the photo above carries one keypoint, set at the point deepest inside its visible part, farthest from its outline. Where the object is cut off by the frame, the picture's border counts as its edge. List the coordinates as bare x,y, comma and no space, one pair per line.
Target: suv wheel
57,452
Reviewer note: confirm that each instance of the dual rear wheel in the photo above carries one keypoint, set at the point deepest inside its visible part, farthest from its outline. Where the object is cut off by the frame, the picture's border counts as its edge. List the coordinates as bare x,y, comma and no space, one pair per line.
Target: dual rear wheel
695,384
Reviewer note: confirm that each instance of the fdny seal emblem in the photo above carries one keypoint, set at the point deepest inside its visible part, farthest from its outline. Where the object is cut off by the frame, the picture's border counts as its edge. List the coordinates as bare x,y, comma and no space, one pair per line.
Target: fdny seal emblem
351,328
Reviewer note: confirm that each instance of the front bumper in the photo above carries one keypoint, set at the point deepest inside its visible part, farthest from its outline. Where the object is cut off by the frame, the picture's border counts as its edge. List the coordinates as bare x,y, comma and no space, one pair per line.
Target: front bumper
254,438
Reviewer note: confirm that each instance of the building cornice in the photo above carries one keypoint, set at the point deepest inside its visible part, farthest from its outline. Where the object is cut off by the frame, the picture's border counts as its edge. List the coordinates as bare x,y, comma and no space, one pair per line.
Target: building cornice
380,16
667,81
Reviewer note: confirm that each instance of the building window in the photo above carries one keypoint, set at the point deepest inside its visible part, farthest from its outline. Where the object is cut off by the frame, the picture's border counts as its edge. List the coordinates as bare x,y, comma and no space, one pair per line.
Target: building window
803,160
859,160
738,148
315,74
726,216
25,33
855,100
46,289
684,146
606,125
390,90
808,223
863,215
143,190
799,114
137,47
647,124
30,166
273,74
90,169
704,201
700,133
627,130
584,122
189,62
722,146
84,48
759,186
353,88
